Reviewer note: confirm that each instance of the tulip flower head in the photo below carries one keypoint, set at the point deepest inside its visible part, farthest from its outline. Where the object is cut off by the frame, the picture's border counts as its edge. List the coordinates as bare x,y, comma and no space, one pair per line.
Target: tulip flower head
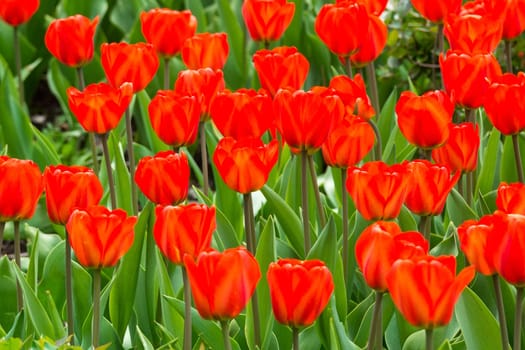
353,94
267,20
514,23
509,247
205,50
17,12
372,45
437,11
511,198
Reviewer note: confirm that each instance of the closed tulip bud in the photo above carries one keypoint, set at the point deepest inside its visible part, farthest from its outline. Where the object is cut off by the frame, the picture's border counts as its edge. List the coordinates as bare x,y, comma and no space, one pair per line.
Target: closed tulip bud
374,7
205,50
460,152
373,44
17,12
437,11
509,248
267,20
514,23
353,94
511,198
68,188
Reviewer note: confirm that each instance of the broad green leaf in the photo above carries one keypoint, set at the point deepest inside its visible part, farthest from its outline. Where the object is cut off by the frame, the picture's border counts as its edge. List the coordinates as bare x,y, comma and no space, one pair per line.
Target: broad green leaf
58,84
144,129
89,9
487,166
197,10
8,310
325,246
387,119
121,175
457,208
448,244
144,341
508,167
11,344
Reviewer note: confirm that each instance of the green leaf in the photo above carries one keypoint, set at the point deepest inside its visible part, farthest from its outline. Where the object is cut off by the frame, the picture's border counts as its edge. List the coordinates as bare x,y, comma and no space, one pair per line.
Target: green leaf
457,208
236,41
120,174
326,245
197,10
144,129
489,163
89,9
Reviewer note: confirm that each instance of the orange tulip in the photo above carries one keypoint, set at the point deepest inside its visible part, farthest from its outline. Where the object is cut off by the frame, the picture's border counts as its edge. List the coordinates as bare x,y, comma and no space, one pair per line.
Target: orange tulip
509,250
99,107
460,152
174,117
68,188
299,290
511,198
353,94
426,289
504,103
373,44
17,12
246,164
378,190
342,26
466,77
380,245
305,118
348,143
134,63
222,283
205,50
437,11
164,178
202,83
267,20
242,113
167,29
428,187
281,67
99,236
183,230
424,120
514,23
21,185
70,39
374,7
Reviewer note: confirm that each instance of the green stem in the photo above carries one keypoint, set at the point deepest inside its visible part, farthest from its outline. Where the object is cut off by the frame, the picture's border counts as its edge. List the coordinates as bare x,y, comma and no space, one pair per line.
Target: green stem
424,226
375,339
187,309
131,159
517,318
109,170
508,55
501,313
304,204
295,335
204,158
440,46
374,94
470,115
344,195
2,228
426,154
166,73
18,64
429,339
517,157
69,292
247,223
378,146
96,307
470,187
349,68
19,296
225,326
313,176
461,188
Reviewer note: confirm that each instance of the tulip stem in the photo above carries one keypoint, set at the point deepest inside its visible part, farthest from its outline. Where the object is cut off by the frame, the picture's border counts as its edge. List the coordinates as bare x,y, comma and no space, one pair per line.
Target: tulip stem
344,195
374,94
470,115
225,325
91,136
470,187
440,46
96,306
19,297
204,158
517,318
304,204
424,226
295,335
517,157
131,159
2,228
501,312
187,309
18,64
166,73
429,339
69,292
375,339
109,170
378,146
508,55
313,175
426,154
349,68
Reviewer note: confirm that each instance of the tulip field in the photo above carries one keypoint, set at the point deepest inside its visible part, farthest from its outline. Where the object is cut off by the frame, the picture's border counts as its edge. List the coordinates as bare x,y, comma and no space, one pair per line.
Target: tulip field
262,174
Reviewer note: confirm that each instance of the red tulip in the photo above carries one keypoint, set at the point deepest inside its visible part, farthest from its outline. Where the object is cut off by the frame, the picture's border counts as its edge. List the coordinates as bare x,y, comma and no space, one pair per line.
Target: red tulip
514,23
353,94
281,67
374,7
426,289
460,152
267,20
222,283
246,164
305,118
436,11
511,198
175,117
17,12
424,120
69,188
509,250
378,190
71,39
164,178
380,245
21,185
99,107
99,236
167,29
205,50
242,113
300,290
342,26
428,187
504,103
348,143
134,63
202,83
183,230
466,77
373,44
